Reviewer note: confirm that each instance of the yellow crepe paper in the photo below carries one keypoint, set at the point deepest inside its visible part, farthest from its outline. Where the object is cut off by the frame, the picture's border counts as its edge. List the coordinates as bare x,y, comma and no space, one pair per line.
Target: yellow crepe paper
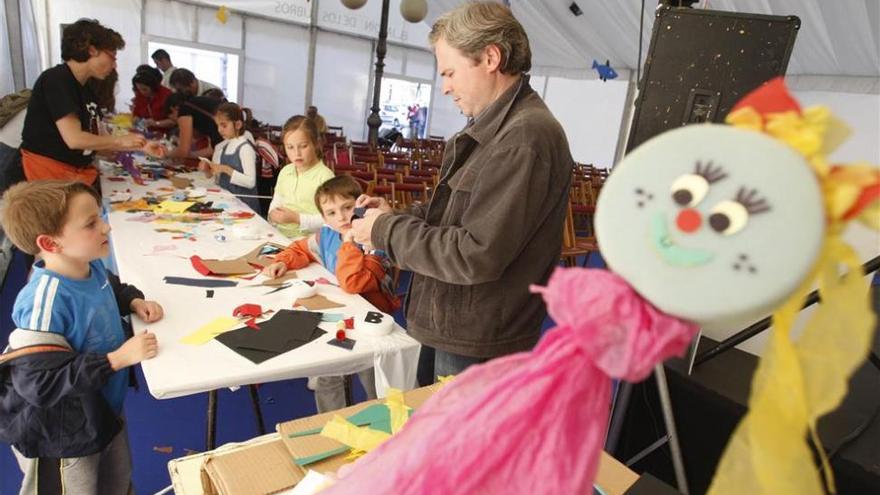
798,382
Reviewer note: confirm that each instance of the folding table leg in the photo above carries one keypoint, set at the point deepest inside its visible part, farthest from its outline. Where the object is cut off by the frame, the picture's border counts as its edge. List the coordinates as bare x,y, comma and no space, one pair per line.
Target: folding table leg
255,401
212,420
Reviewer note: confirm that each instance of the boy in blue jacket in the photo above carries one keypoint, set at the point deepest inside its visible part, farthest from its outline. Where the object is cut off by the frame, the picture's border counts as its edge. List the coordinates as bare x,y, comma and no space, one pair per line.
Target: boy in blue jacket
62,377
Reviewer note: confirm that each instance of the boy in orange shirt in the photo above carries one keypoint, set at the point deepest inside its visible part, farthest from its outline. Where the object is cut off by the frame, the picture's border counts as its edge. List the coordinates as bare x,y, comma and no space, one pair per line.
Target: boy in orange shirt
367,274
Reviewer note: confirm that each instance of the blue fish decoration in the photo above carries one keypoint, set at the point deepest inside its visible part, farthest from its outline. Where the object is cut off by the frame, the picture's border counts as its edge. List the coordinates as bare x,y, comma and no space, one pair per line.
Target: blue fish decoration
605,71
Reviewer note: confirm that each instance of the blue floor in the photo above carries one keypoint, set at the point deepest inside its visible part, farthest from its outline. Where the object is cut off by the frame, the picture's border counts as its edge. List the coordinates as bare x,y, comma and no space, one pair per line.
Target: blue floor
180,423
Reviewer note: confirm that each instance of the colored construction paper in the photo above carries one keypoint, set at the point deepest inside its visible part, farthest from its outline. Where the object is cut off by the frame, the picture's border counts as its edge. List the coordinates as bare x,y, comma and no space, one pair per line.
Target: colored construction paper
305,461
200,282
276,282
237,266
347,344
317,303
332,317
210,330
180,182
173,206
285,331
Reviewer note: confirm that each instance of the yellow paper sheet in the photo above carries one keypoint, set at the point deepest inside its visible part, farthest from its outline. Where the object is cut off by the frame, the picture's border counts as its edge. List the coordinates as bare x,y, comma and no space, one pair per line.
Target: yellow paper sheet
365,439
169,206
211,330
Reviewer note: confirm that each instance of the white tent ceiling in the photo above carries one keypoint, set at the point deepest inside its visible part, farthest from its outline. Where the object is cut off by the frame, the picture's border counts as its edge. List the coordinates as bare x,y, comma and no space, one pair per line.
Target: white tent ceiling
838,40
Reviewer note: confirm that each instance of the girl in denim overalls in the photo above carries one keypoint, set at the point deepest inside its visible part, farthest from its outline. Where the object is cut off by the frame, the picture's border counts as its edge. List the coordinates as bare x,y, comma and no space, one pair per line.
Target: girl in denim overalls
234,166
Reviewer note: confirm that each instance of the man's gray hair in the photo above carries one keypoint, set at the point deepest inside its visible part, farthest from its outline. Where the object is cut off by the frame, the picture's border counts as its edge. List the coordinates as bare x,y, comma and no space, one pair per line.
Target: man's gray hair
473,26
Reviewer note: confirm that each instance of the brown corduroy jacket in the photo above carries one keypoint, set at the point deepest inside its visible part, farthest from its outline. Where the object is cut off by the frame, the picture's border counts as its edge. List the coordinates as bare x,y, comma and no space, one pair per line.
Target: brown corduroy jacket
492,228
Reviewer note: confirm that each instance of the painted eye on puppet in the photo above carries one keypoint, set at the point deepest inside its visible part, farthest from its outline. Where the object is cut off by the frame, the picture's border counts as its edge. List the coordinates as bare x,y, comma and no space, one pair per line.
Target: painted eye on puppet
728,217
731,216
689,189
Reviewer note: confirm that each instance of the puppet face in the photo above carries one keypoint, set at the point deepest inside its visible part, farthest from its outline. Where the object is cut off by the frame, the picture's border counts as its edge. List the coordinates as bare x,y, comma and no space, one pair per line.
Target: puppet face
712,224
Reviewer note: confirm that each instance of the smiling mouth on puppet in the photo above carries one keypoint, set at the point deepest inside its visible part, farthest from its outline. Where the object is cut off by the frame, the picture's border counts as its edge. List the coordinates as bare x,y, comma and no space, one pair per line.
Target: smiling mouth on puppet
671,252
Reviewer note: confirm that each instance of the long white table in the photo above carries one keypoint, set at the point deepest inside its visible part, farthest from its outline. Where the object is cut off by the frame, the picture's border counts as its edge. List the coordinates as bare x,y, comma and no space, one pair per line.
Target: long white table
144,256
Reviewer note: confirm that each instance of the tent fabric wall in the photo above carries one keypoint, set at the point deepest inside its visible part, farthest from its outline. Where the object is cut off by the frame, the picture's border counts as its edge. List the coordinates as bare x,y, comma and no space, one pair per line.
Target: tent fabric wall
342,80
168,19
275,86
121,15
7,82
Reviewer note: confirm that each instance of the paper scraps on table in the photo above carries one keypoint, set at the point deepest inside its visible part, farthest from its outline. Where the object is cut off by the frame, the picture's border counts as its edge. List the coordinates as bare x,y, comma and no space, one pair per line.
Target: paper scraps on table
346,343
317,303
285,331
180,182
332,317
132,206
209,294
161,248
211,330
169,206
277,282
324,281
264,254
236,266
199,282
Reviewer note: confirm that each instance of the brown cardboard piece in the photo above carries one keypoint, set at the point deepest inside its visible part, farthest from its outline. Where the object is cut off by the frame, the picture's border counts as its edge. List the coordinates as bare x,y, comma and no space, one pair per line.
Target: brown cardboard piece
277,282
180,182
237,266
317,303
253,256
264,468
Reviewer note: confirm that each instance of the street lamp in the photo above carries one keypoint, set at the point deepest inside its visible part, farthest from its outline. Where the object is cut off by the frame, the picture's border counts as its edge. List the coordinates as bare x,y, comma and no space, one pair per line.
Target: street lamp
411,10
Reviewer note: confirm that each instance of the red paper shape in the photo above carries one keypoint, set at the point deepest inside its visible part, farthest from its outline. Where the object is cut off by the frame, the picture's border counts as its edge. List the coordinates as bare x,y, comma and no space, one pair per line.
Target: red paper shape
340,335
253,310
349,323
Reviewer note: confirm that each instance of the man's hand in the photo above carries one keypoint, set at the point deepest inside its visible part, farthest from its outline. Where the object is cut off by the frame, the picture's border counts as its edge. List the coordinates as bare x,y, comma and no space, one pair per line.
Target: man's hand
363,229
378,203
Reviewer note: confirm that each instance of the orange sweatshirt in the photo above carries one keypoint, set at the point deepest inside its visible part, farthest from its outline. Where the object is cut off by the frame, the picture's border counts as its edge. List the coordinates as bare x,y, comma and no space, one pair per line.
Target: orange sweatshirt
358,273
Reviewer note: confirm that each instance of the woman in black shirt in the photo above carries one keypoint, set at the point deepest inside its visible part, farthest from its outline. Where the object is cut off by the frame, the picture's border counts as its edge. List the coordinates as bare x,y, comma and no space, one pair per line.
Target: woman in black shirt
60,135
194,116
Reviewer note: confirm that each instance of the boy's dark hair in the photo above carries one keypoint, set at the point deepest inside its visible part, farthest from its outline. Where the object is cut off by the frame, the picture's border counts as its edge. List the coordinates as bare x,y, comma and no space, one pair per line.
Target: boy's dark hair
307,125
31,209
160,54
148,76
343,186
79,36
181,77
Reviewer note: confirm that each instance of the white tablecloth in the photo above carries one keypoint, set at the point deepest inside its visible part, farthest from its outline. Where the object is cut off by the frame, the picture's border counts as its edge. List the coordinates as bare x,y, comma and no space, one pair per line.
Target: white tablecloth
182,369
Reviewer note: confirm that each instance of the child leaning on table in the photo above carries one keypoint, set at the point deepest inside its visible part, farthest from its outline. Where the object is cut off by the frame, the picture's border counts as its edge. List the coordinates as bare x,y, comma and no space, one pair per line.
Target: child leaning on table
62,377
367,274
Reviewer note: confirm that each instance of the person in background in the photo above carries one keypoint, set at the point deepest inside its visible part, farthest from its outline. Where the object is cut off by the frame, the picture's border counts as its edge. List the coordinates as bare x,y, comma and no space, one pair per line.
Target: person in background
358,272
60,134
293,208
194,116
319,121
149,99
234,164
184,81
163,62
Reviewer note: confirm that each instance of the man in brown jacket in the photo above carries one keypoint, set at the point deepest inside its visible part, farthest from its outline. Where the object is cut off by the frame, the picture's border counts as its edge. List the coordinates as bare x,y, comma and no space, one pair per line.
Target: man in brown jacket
494,224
